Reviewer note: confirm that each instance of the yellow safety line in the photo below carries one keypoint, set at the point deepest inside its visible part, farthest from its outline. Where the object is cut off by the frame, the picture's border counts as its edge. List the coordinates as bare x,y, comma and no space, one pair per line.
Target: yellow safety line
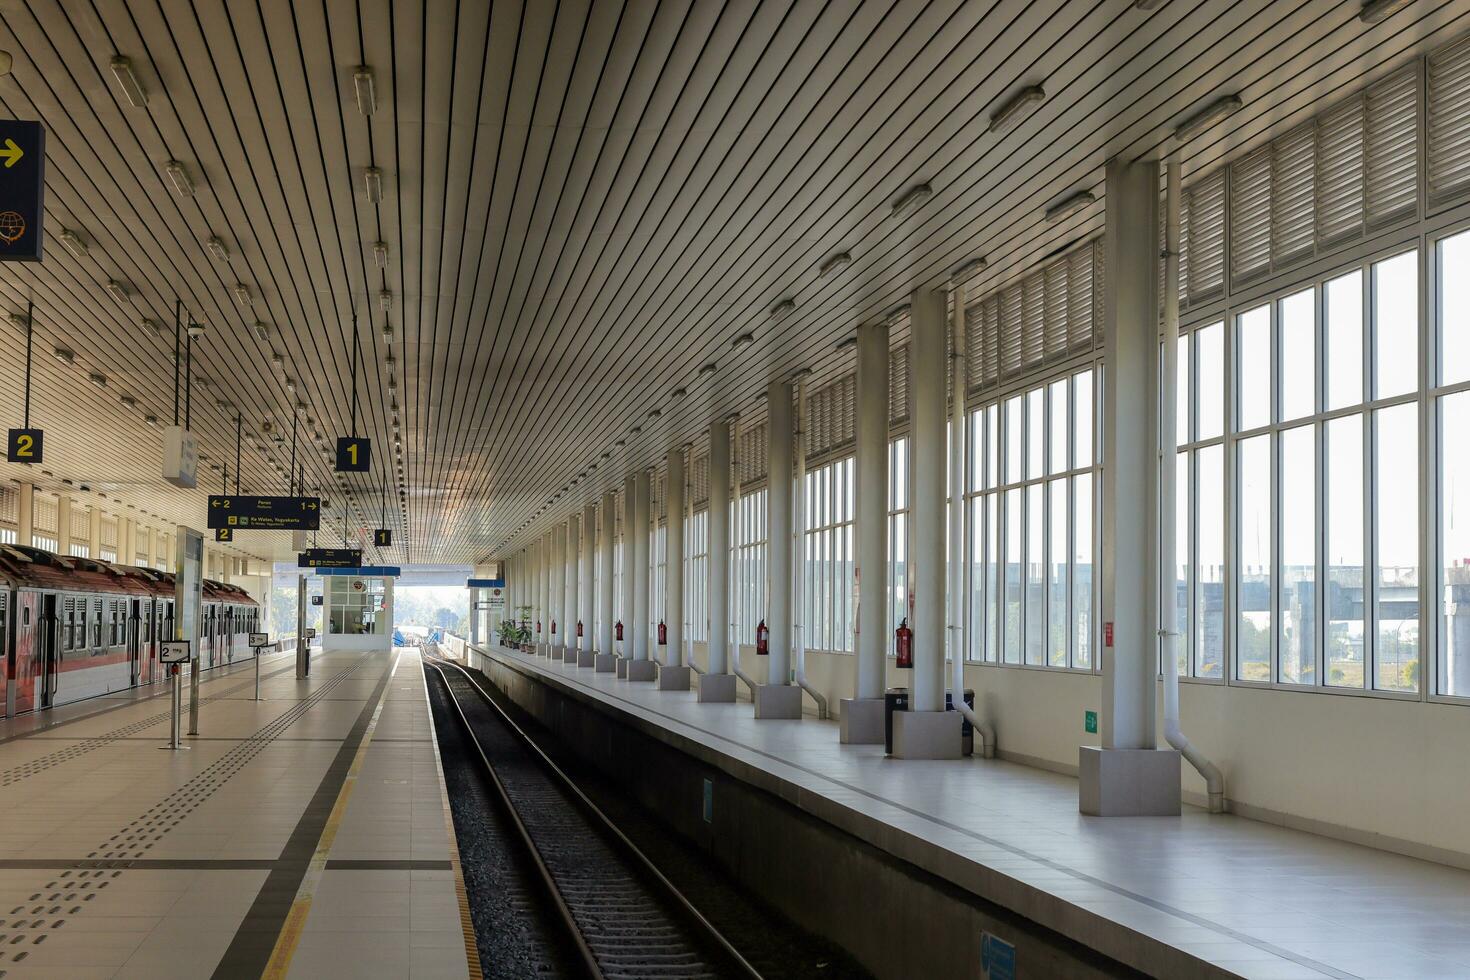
290,937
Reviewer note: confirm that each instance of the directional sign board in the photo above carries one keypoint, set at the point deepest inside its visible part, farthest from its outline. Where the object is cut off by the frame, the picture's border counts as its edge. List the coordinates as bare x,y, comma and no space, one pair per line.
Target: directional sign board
311,632
316,600
383,537
224,534
330,558
173,652
251,513
260,639
485,583
22,185
354,455
24,446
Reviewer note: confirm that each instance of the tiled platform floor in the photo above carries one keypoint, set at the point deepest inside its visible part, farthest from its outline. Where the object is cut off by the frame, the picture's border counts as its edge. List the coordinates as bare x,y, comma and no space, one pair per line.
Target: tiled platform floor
121,860
1246,897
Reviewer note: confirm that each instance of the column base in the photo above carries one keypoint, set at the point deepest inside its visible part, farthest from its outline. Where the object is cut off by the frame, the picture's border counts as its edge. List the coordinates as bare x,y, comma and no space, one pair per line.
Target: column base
569,655
605,663
673,678
777,701
1128,782
927,735
716,688
642,670
861,721
586,658
622,667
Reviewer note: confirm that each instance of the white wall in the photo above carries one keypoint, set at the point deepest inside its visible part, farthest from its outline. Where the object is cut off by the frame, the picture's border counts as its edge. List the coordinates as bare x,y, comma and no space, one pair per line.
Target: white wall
1389,773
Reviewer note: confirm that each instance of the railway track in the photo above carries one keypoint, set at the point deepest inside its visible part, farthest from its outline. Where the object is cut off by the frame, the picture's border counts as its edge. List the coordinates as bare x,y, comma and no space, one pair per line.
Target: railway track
625,919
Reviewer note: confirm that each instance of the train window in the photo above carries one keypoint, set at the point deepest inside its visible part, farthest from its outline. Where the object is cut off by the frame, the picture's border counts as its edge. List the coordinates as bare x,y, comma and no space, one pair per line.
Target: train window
97,623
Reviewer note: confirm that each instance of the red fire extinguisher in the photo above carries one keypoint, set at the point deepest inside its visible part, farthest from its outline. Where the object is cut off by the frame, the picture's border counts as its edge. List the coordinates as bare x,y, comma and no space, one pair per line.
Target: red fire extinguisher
663,633
538,627
553,627
618,630
579,629
903,638
762,639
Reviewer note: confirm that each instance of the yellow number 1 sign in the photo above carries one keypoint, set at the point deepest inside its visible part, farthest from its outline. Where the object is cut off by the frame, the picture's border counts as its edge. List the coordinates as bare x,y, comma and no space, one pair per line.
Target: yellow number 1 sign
24,446
354,455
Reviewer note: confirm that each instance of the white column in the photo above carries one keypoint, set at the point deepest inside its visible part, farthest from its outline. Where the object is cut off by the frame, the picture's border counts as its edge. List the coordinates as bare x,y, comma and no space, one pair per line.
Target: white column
674,559
778,531
25,514
573,610
63,524
94,535
642,573
559,583
605,646
587,611
927,464
717,551
630,562
152,546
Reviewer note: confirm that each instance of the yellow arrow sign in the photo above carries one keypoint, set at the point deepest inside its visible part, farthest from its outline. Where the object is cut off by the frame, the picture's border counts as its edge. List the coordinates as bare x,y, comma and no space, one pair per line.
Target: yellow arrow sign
12,153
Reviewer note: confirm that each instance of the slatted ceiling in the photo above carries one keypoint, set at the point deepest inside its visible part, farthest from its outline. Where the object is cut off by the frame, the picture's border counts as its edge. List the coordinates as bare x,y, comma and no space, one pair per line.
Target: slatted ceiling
663,171
1448,86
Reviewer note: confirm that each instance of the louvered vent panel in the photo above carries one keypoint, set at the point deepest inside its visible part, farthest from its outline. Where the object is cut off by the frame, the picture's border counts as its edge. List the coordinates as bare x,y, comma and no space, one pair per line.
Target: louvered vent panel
43,513
898,384
1293,194
753,457
699,479
1449,121
1080,298
109,531
9,504
974,345
990,340
1012,306
1250,216
1391,157
1340,173
1206,204
81,522
1033,314
1056,305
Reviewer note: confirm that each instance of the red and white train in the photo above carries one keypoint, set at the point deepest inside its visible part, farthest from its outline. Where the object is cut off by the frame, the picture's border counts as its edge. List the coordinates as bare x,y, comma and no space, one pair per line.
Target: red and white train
75,628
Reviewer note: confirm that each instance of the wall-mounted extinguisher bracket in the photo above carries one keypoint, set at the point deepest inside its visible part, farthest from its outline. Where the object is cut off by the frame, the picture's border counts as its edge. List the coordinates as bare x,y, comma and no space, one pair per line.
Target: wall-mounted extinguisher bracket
762,639
618,631
663,633
538,627
553,627
579,629
903,644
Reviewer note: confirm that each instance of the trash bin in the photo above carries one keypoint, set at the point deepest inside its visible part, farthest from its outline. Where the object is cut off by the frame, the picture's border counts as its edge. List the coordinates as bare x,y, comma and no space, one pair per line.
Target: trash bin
897,699
894,699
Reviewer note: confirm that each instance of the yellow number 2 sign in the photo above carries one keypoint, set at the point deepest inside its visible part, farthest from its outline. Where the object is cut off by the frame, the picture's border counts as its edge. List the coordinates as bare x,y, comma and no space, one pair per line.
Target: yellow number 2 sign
24,446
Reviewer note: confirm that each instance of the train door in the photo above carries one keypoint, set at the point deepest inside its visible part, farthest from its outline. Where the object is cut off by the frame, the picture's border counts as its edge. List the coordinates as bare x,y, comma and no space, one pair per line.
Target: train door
134,639
25,660
150,637
49,636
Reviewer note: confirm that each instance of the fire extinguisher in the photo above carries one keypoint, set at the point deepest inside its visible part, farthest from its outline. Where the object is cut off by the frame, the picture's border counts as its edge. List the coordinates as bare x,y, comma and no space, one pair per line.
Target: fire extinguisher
553,627
579,629
618,630
903,638
538,627
762,639
663,633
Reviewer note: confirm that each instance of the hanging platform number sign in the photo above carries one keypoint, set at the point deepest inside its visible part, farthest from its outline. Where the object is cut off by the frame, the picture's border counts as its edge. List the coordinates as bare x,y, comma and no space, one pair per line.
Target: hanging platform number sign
383,537
354,455
24,446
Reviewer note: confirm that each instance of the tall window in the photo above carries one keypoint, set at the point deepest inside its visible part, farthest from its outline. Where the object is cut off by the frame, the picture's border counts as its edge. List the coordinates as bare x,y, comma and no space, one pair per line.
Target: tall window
696,582
750,564
1030,500
1452,384
827,560
898,545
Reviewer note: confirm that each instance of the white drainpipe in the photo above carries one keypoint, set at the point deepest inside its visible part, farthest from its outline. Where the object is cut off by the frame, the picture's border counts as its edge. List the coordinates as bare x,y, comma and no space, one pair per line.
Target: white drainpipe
735,557
984,731
687,637
798,533
1168,560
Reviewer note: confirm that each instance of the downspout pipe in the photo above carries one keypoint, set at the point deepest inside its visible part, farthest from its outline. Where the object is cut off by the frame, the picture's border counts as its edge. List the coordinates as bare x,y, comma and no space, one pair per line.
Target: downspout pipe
688,636
745,678
957,529
1168,545
798,550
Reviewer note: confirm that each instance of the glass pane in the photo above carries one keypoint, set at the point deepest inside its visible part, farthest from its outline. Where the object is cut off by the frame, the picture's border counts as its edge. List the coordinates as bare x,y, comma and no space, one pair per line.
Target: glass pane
1296,319
993,597
1057,616
1343,481
977,450
1297,645
1013,440
898,488
1181,558
975,631
1181,393
1253,355
1211,374
1035,432
1082,404
1209,600
1396,324
1454,477
992,445
1454,309
1343,329
1396,542
1035,576
1082,570
1057,453
1013,573
1253,642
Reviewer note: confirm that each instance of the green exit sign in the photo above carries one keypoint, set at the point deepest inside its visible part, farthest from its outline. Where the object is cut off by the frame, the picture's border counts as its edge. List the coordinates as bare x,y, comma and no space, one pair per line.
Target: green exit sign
1089,722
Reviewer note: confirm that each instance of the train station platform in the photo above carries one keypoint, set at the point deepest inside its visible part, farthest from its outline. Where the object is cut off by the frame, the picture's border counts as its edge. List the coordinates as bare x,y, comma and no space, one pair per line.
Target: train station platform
1197,896
304,835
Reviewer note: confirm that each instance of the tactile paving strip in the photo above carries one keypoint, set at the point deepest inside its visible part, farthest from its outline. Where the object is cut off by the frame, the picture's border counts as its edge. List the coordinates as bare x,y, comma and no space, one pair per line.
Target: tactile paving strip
27,925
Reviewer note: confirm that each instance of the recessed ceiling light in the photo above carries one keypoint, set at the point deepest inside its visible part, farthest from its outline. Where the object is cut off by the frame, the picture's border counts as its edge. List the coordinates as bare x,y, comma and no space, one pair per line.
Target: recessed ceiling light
127,80
654,413
1375,10
1016,108
912,198
372,179
151,420
128,401
178,175
708,369
782,308
385,300
367,97
744,340
97,378
967,269
242,294
73,243
216,246
1207,117
380,253
262,329
118,289
387,332
1069,205
839,261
